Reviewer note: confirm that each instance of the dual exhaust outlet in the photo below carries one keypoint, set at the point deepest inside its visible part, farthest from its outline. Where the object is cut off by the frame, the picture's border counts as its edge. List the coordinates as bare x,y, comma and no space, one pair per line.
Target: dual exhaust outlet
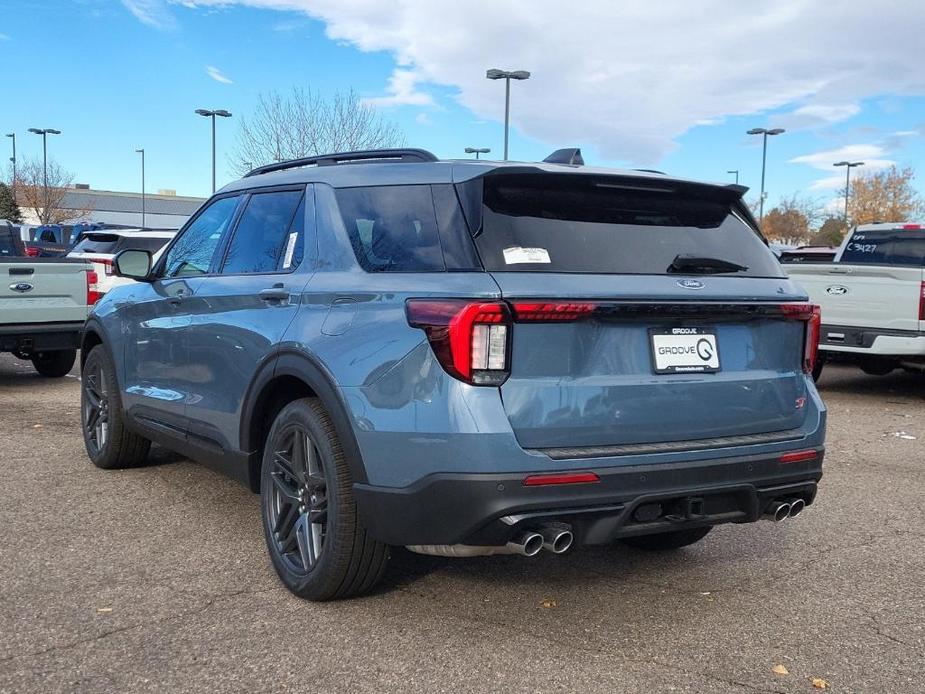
782,509
553,538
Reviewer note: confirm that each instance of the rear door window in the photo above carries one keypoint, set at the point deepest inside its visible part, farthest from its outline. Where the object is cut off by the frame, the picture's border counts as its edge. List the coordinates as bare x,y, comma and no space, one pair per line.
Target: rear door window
96,243
904,247
268,238
392,228
585,224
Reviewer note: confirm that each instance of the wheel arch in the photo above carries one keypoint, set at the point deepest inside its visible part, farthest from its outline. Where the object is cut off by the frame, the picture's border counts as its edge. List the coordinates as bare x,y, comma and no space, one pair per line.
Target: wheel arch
293,375
91,337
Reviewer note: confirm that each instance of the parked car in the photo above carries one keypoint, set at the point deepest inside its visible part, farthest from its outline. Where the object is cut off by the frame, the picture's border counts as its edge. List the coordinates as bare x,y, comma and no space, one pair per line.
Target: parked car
43,305
464,358
872,298
11,246
100,247
48,241
808,254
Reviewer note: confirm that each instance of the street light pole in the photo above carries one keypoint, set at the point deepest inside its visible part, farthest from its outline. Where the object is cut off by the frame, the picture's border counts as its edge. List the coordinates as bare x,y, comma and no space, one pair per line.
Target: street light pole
507,76
45,132
142,153
13,158
848,166
764,158
736,172
477,151
211,114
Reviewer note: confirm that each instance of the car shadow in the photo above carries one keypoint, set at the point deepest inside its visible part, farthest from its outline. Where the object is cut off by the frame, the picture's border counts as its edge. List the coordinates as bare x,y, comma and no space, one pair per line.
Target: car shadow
850,379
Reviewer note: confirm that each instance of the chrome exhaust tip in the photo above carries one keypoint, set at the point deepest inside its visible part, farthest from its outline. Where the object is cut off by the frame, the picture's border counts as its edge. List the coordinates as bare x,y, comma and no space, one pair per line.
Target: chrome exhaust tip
528,544
796,507
777,511
557,539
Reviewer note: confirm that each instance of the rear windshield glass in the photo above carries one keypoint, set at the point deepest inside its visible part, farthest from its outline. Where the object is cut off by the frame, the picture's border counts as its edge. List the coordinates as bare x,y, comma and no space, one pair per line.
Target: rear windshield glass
110,244
392,228
549,223
886,247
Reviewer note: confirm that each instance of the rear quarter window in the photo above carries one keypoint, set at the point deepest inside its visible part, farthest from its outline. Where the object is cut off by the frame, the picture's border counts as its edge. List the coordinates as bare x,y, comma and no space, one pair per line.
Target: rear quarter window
583,224
392,228
902,247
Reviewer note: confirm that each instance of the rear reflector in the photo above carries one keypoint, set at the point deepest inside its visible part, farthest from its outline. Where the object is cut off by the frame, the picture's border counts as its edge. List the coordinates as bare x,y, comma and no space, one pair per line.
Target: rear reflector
912,227
798,457
561,478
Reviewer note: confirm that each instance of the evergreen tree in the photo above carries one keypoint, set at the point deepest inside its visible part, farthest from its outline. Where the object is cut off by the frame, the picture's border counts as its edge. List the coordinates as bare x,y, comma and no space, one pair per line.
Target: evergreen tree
9,210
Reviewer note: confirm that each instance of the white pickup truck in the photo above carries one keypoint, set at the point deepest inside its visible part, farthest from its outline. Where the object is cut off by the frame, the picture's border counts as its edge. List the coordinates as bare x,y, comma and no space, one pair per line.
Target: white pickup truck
43,305
872,297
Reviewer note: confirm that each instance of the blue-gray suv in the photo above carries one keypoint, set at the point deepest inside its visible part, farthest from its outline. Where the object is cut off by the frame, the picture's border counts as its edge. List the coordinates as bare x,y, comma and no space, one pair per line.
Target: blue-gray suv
464,358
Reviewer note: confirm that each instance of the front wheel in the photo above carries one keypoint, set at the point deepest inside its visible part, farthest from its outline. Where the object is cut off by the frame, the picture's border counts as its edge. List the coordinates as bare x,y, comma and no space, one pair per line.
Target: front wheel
110,445
315,540
54,364
674,539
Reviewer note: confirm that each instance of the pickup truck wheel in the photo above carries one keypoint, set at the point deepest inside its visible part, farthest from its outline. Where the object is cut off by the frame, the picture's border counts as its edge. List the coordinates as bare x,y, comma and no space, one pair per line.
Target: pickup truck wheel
109,443
877,367
316,542
817,368
54,364
674,539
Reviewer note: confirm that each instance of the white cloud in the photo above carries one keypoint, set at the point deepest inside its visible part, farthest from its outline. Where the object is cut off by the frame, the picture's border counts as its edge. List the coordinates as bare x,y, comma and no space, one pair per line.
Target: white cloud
402,91
154,13
217,75
422,119
871,155
628,78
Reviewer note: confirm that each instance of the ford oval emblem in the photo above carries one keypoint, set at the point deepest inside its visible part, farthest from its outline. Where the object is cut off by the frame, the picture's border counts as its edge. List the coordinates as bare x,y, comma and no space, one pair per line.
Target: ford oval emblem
21,287
690,284
837,290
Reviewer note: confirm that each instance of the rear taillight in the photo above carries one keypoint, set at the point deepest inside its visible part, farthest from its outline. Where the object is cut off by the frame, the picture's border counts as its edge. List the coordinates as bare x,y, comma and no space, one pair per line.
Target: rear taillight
547,311
32,251
922,302
469,338
811,314
93,293
106,263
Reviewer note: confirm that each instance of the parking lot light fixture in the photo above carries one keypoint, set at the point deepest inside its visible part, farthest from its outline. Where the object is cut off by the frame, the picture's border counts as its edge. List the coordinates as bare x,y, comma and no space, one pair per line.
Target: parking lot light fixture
45,132
142,153
736,172
221,113
477,151
765,133
507,76
848,166
13,158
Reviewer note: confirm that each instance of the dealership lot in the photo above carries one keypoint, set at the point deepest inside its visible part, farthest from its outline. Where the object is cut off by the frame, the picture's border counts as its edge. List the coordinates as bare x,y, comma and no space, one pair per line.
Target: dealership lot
157,577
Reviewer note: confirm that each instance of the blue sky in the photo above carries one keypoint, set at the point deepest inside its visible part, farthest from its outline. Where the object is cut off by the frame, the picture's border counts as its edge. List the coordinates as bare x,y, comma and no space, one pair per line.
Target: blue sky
633,84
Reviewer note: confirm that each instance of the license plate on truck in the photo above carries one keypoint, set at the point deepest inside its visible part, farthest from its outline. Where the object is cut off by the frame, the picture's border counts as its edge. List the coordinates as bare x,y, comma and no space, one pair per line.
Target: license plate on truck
684,350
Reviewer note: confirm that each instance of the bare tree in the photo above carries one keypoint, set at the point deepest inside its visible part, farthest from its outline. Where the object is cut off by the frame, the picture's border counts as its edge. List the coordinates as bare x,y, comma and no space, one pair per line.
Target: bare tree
303,123
46,203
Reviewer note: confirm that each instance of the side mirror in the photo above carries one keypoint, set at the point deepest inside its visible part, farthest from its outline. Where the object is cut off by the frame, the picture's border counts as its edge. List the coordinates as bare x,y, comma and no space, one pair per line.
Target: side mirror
133,264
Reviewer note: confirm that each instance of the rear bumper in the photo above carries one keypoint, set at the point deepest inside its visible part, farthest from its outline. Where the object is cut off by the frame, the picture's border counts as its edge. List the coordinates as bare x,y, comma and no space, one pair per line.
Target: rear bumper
872,341
489,509
40,337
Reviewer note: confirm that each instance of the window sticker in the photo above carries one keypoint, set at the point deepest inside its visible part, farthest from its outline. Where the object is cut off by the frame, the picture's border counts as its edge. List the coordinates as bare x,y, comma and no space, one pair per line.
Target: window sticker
290,248
516,255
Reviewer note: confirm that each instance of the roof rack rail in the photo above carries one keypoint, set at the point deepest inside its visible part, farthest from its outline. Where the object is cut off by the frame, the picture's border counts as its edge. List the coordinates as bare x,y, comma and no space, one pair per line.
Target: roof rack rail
372,155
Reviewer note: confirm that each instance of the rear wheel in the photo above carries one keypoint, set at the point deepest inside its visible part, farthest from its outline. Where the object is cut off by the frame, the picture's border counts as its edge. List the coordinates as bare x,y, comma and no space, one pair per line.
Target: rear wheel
817,368
877,367
316,542
110,445
674,539
54,364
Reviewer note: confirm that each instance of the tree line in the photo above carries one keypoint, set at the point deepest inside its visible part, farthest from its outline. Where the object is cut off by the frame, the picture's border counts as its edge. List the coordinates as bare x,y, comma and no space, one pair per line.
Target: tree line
886,195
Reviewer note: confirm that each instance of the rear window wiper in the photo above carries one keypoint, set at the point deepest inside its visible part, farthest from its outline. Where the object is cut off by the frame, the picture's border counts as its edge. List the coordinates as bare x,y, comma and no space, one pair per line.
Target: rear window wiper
703,265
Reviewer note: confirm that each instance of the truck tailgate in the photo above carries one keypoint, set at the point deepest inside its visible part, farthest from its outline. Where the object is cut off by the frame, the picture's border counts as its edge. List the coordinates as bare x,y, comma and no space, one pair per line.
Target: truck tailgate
36,290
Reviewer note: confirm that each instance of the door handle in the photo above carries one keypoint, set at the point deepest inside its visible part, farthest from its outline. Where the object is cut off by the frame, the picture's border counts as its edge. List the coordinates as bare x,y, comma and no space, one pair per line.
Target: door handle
275,293
177,298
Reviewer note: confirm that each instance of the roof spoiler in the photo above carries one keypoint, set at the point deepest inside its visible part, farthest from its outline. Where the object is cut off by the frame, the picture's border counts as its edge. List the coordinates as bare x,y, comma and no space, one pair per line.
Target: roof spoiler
569,155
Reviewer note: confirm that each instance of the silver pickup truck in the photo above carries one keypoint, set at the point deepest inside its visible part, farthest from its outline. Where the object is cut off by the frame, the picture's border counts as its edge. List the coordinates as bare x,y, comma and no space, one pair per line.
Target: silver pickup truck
872,297
43,305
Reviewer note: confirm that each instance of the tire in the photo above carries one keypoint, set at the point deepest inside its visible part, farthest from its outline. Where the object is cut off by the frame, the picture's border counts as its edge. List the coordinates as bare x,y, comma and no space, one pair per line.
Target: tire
54,364
110,445
316,542
877,367
674,539
817,369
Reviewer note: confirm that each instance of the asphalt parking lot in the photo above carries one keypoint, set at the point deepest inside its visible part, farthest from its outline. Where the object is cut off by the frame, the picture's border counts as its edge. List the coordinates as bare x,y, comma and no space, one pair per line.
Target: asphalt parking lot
156,579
